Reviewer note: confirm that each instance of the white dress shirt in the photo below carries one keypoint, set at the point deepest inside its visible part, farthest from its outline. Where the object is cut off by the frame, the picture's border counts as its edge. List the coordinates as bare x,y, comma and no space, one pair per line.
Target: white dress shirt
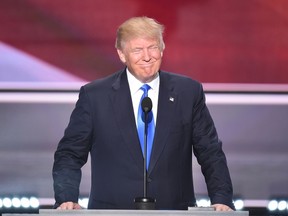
136,93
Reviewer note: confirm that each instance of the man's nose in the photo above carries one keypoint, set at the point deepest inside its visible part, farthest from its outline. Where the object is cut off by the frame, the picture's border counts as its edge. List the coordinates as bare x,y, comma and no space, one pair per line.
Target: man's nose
146,55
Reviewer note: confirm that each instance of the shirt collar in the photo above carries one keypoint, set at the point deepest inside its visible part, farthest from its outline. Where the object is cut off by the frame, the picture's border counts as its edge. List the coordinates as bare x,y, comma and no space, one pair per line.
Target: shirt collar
135,84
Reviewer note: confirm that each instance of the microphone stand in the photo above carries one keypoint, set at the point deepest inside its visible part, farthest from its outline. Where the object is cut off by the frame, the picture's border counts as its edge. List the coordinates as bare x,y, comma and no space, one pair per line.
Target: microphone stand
145,155
145,203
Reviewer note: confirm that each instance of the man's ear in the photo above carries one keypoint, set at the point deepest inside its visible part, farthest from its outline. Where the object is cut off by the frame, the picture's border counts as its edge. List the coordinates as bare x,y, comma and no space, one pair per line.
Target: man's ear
121,56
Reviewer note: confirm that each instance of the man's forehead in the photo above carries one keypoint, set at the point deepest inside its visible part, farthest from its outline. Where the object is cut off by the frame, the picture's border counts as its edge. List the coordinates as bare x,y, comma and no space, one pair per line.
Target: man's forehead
142,42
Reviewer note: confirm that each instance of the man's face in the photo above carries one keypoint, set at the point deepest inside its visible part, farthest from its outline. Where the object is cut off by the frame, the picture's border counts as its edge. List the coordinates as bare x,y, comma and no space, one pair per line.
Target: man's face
143,58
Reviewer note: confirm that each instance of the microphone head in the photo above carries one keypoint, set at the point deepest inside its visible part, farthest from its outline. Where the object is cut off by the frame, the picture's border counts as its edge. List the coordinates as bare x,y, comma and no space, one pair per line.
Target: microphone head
146,104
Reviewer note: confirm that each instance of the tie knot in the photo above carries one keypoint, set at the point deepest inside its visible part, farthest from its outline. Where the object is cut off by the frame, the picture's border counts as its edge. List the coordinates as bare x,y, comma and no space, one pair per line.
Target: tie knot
145,88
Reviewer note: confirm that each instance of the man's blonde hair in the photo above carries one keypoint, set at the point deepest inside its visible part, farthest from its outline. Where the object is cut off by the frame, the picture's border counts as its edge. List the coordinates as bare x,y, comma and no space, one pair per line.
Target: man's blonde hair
140,27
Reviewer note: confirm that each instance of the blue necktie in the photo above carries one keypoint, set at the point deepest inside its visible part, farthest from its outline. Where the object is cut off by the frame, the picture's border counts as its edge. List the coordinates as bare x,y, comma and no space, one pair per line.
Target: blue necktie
141,126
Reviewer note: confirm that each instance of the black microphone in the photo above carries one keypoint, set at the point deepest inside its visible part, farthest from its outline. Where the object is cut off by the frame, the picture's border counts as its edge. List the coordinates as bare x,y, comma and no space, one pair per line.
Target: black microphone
146,105
145,203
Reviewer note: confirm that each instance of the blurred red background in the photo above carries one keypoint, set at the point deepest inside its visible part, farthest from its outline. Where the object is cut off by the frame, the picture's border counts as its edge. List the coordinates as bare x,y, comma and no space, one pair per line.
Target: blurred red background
213,41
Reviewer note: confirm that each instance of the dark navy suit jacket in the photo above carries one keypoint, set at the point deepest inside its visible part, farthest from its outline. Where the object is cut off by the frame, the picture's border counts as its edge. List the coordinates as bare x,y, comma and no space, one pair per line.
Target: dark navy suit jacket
103,124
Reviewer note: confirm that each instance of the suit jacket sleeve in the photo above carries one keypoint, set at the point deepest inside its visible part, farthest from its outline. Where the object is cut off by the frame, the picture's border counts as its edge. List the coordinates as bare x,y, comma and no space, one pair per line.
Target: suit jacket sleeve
72,152
208,151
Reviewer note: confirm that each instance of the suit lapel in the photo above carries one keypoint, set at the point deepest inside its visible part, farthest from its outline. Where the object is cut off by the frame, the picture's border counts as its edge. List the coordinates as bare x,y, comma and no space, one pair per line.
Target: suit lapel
166,104
122,105
123,108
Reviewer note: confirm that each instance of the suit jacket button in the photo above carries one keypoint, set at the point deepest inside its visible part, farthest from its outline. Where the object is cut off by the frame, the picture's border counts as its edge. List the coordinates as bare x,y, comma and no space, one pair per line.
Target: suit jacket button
149,180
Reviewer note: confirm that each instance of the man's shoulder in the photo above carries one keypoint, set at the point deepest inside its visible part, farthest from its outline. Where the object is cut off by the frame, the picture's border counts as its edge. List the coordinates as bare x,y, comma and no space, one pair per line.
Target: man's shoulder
103,82
179,79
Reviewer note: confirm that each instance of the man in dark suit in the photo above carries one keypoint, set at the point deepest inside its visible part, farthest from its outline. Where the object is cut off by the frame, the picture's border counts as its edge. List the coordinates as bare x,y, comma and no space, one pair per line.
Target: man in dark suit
104,123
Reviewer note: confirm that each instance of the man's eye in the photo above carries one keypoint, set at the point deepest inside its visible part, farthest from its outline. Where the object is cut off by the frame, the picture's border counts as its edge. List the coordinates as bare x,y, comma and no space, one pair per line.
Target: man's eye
153,48
136,51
